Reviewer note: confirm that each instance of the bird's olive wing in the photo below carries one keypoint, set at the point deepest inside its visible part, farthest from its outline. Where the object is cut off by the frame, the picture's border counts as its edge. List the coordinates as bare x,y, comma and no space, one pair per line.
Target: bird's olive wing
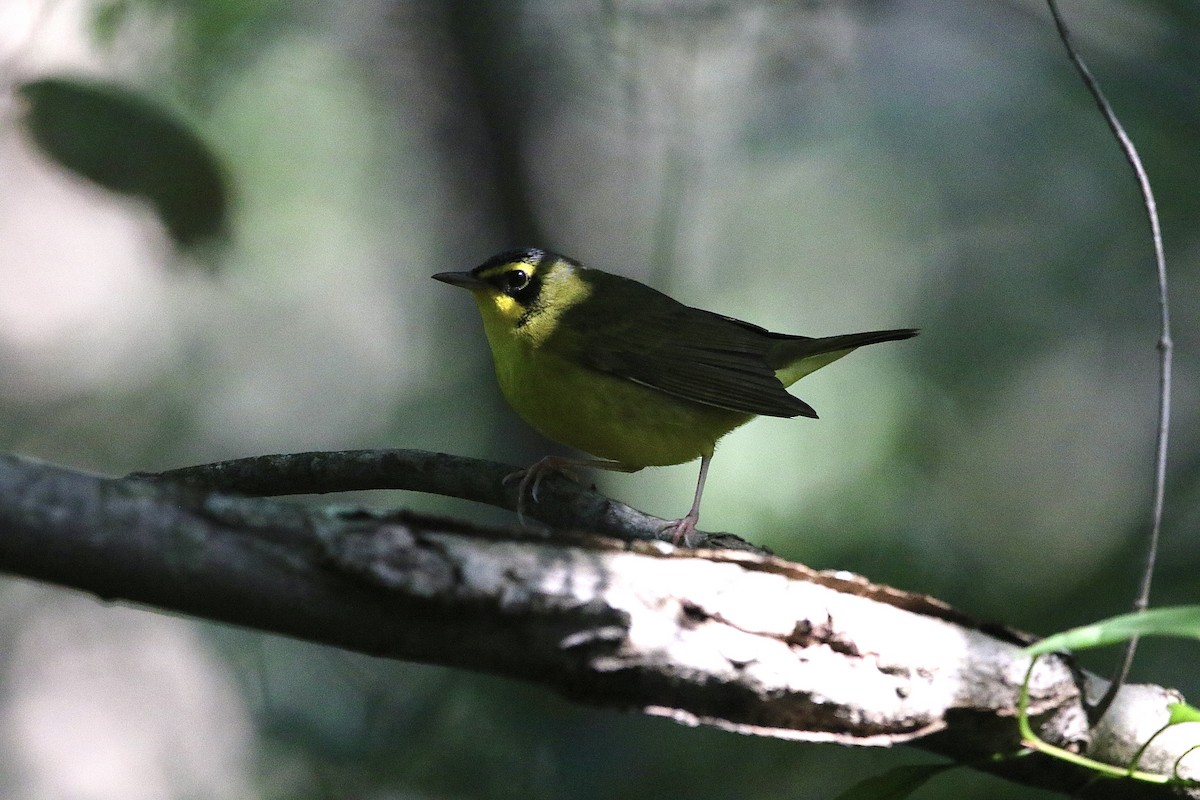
691,354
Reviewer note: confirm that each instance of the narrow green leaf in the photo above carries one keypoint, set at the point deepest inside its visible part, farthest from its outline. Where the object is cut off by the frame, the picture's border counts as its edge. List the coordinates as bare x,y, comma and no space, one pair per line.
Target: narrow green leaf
1179,621
132,146
895,784
1182,712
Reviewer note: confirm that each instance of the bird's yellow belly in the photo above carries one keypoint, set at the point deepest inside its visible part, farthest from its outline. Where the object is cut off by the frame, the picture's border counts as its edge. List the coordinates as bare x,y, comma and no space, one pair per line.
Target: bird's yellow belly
608,416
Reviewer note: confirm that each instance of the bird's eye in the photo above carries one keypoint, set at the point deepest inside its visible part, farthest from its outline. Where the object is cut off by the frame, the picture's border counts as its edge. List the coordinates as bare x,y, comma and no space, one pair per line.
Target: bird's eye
516,280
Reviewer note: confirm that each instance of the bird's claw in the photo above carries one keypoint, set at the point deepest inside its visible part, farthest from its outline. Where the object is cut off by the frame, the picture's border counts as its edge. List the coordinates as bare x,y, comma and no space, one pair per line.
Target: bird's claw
531,481
680,529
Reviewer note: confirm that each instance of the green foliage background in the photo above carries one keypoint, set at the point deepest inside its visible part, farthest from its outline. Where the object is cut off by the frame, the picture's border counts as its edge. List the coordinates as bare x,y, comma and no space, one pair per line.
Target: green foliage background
814,167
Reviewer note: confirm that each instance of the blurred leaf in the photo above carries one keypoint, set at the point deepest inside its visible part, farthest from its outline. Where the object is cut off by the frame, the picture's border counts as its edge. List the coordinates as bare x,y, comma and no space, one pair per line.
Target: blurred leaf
211,38
1181,621
895,784
107,19
130,145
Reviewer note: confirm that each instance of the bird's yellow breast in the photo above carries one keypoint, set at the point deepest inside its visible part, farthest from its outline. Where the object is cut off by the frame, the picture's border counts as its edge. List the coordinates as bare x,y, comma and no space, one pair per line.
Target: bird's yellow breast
607,416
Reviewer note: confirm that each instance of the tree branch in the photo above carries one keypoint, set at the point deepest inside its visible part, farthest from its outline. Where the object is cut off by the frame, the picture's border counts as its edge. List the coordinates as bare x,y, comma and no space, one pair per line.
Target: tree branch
743,641
562,502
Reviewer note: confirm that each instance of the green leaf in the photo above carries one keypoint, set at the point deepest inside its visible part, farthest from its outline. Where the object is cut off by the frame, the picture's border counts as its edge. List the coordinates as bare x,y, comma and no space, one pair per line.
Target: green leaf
895,784
1179,621
132,146
1182,712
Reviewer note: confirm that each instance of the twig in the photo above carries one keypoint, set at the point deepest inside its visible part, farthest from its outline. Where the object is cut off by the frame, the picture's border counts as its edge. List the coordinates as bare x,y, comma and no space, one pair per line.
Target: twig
562,503
1165,346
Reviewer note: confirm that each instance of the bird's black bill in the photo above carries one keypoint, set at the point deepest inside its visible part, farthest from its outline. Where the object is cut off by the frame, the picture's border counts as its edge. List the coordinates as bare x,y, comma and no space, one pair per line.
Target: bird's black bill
463,279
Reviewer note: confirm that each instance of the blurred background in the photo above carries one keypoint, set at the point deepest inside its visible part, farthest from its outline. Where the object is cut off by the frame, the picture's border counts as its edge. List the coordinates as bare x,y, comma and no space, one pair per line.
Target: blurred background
814,167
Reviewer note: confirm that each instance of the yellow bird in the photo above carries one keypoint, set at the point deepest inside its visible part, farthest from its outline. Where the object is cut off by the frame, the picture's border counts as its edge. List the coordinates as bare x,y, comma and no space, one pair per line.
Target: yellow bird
614,368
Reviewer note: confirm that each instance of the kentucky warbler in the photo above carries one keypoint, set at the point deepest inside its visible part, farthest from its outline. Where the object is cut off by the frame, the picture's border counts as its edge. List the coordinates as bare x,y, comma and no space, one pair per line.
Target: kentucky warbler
614,368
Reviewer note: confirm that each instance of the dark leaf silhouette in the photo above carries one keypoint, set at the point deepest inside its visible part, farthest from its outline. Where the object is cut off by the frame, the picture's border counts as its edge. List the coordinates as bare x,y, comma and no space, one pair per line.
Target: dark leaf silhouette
128,144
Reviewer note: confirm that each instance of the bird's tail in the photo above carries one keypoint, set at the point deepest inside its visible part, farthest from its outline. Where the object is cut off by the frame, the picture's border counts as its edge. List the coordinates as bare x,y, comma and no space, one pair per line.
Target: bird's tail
793,357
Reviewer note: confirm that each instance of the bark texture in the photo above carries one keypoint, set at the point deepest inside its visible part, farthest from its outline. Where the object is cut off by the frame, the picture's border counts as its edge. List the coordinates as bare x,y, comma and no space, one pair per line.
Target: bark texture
740,640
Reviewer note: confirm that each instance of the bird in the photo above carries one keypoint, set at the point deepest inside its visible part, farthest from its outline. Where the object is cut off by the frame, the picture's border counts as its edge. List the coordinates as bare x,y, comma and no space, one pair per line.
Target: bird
619,370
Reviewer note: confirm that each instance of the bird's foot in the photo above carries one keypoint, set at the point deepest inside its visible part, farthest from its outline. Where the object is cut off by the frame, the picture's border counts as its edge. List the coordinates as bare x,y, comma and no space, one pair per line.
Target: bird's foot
680,529
531,480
